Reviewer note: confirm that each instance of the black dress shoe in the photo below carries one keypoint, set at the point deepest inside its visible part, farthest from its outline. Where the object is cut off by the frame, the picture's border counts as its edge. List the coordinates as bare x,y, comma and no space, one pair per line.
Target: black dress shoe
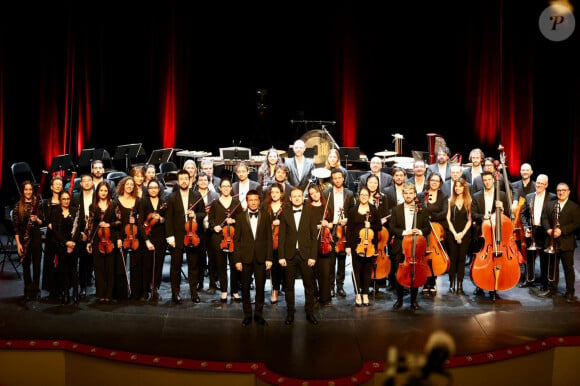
478,291
224,300
547,293
493,295
83,293
237,299
569,297
341,292
332,293
289,319
312,319
175,298
195,298
398,304
246,322
415,306
260,320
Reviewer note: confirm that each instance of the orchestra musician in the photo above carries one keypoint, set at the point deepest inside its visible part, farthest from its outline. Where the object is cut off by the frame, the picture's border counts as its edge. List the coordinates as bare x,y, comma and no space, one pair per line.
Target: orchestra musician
102,230
563,227
273,205
442,165
184,217
299,167
83,200
98,174
488,166
362,217
191,169
400,225
243,185
267,169
25,222
206,166
419,178
332,162
298,249
456,173
458,235
153,210
317,202
49,264
394,192
476,157
281,178
64,224
128,207
376,166
340,200
483,207
533,210
435,203
151,174
207,258
253,255
523,186
138,174
222,213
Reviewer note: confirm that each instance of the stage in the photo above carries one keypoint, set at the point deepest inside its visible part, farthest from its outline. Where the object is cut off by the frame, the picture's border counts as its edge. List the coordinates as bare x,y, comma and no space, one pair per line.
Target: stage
347,339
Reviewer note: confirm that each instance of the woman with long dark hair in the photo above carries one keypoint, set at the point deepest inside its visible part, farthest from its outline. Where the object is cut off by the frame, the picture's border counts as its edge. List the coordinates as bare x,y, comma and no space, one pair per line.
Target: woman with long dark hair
459,234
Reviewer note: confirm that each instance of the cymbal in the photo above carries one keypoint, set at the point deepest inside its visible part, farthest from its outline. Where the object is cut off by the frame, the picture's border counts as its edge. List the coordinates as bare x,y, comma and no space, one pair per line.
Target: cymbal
386,153
193,153
400,160
321,172
280,152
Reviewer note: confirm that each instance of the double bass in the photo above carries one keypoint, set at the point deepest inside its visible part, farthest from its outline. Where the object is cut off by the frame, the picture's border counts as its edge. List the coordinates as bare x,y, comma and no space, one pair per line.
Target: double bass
382,265
414,271
496,267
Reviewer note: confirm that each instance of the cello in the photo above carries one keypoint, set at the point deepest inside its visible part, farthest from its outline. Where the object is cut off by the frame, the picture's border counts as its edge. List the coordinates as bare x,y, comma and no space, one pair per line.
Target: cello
437,257
382,266
413,271
495,267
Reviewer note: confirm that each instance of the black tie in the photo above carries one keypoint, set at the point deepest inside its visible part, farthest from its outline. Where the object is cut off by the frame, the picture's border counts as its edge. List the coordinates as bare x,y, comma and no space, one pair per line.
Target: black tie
297,210
253,214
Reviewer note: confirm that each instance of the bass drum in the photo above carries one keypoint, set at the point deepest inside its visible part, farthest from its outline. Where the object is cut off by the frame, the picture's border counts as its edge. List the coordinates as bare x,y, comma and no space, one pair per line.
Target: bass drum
322,141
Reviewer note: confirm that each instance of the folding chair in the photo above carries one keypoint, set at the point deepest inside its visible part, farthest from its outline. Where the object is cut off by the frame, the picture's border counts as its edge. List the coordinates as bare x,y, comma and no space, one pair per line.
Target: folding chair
8,250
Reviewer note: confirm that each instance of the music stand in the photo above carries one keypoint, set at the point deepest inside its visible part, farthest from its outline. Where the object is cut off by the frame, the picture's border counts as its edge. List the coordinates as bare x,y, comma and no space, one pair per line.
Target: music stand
87,157
129,153
349,153
61,163
235,153
161,155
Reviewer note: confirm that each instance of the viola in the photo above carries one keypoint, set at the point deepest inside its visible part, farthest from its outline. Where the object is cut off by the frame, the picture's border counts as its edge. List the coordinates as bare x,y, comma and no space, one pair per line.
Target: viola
191,238
131,242
105,243
365,247
437,257
495,267
383,264
152,220
414,271
340,235
227,244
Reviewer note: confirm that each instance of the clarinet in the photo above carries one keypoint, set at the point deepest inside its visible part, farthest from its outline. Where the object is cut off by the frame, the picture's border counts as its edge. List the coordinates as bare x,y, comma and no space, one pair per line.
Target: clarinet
33,212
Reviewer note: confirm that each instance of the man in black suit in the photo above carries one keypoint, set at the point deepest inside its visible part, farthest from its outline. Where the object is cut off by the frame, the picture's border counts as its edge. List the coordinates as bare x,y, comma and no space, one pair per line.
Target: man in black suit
476,156
253,255
340,200
299,167
400,225
456,174
442,165
244,184
83,200
206,166
376,166
419,179
483,207
561,224
298,249
185,207
537,203
524,186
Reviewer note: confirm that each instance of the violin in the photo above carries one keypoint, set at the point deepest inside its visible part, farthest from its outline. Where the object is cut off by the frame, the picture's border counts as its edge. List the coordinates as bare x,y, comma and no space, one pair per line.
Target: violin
495,267
191,238
366,248
152,220
340,235
131,242
413,271
227,244
325,244
104,233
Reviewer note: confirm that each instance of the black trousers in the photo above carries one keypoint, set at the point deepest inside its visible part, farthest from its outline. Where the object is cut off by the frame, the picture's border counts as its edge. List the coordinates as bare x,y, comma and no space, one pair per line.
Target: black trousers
258,270
192,255
292,267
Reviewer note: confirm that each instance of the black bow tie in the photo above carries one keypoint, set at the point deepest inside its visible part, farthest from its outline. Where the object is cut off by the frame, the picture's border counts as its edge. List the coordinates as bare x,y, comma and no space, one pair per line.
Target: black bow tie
253,214
297,210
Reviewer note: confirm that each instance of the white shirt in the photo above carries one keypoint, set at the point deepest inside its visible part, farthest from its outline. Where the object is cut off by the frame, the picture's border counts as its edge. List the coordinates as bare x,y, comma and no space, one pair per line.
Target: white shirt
409,217
297,219
299,167
538,205
338,198
254,224
489,200
185,201
243,188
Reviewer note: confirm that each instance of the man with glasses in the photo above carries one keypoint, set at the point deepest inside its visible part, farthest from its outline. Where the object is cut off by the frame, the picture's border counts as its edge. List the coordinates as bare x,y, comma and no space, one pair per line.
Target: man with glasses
561,223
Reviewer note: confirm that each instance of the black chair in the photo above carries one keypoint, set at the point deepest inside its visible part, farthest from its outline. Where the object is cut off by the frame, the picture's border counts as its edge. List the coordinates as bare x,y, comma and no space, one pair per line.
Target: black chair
21,172
116,176
168,171
8,250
